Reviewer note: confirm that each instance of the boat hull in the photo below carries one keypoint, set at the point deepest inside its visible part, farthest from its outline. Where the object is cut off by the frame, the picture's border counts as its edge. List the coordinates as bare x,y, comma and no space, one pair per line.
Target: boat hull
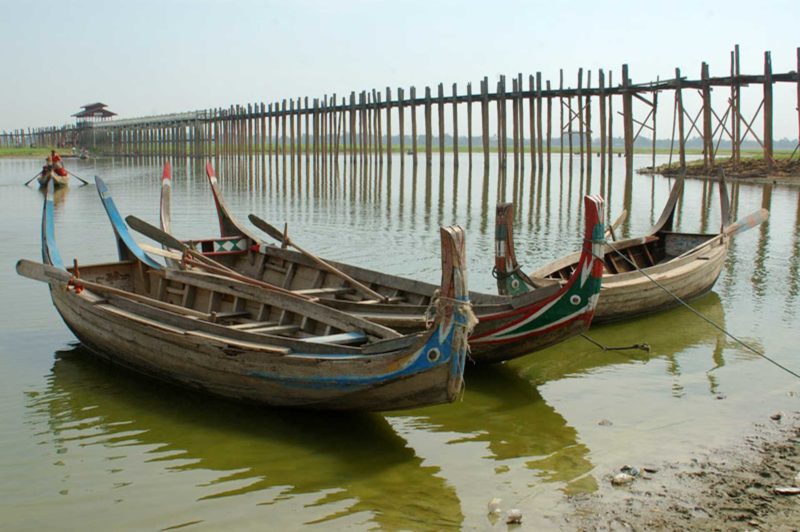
311,381
631,294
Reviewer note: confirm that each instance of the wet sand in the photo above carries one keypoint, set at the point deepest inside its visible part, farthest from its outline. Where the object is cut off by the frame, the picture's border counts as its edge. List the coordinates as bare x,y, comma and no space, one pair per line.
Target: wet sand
749,487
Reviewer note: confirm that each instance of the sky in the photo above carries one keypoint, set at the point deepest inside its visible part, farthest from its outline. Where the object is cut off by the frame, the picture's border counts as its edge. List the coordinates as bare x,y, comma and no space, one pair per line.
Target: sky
150,57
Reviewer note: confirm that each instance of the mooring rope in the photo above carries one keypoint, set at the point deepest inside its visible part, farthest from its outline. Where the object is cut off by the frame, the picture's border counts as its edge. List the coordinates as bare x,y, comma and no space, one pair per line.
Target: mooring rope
642,347
438,304
702,316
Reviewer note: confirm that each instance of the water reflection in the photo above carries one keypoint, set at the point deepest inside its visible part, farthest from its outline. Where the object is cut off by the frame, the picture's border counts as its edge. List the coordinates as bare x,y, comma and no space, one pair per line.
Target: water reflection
503,422
579,357
303,467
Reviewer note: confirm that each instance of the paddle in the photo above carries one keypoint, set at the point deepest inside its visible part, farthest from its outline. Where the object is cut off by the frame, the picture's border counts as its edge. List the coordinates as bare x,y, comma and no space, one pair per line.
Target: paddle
739,226
211,265
28,182
82,180
616,223
280,236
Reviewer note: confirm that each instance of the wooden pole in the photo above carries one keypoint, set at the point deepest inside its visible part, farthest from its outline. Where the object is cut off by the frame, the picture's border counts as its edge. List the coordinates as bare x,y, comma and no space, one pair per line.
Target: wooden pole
601,82
501,133
588,124
708,141
413,94
681,134
610,126
734,103
515,131
768,111
440,109
428,128
388,126
580,119
532,119
469,116
401,124
549,129
627,113
485,122
307,143
455,126
561,124
521,123
539,146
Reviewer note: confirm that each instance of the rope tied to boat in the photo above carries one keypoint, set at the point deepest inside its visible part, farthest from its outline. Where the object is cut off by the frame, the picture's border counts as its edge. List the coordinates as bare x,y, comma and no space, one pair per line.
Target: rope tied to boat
463,315
74,280
702,316
503,275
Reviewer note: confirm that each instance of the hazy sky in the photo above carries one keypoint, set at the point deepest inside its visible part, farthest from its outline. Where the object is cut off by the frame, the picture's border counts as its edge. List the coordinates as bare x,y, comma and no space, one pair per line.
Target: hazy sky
151,57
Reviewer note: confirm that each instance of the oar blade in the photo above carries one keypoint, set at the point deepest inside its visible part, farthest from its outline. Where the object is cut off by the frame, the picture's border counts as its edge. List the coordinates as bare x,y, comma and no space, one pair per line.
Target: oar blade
748,222
154,233
271,230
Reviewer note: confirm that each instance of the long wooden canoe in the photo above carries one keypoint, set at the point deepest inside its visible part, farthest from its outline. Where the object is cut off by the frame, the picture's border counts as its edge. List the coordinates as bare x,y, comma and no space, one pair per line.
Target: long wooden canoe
685,265
508,326
231,339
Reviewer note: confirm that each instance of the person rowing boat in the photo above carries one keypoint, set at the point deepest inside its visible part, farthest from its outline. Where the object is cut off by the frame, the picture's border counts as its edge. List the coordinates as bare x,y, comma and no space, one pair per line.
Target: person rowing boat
54,169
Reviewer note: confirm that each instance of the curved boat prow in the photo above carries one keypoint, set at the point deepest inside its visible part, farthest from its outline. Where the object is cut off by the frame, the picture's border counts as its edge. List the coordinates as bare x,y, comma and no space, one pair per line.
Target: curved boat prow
229,226
667,217
50,253
165,210
453,309
510,278
127,247
166,197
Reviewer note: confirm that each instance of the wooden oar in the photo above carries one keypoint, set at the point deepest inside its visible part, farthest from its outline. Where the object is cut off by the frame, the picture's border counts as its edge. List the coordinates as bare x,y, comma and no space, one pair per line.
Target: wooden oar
280,236
616,223
82,180
739,226
201,260
28,182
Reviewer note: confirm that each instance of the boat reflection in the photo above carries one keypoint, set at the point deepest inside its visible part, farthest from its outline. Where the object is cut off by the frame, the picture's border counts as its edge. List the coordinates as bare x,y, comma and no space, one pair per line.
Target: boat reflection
298,466
513,427
59,195
668,335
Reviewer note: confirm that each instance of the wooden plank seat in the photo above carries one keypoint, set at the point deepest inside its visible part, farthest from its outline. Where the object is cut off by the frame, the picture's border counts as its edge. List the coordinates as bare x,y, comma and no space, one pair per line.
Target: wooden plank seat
330,291
252,325
393,299
275,329
347,338
217,316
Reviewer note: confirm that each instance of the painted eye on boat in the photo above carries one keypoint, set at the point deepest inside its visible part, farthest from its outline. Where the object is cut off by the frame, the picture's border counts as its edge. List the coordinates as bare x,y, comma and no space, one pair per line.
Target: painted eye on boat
433,355
575,299
514,283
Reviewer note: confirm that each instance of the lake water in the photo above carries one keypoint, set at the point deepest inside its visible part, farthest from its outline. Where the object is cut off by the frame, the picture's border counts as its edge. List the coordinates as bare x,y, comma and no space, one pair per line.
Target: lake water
88,446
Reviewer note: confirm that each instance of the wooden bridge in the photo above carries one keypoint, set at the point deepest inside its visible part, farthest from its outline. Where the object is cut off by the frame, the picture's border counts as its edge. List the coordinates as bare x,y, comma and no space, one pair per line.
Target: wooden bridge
368,127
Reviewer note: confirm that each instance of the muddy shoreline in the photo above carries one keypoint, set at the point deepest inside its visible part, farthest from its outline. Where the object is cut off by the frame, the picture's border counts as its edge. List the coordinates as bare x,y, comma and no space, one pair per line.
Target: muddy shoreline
751,486
784,171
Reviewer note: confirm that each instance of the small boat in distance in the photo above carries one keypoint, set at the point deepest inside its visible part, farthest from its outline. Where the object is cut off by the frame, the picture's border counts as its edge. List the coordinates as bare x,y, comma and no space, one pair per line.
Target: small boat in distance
686,265
238,340
508,326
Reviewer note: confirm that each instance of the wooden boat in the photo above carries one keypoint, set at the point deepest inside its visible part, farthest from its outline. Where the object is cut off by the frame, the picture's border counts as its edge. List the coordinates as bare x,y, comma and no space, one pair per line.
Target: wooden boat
508,326
237,340
685,265
58,180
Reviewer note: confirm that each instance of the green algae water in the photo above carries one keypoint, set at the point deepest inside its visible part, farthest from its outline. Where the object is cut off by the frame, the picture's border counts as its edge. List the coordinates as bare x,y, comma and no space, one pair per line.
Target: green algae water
85,445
